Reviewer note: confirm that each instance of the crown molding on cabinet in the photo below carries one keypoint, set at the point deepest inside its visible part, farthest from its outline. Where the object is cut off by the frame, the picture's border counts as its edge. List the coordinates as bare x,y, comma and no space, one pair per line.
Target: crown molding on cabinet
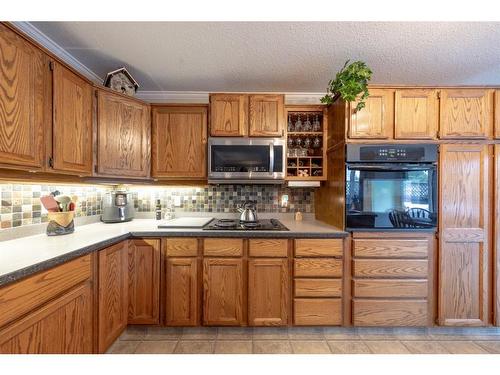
56,49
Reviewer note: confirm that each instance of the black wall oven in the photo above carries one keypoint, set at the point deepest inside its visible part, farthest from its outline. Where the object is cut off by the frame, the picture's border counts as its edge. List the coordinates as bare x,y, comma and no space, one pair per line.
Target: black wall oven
391,187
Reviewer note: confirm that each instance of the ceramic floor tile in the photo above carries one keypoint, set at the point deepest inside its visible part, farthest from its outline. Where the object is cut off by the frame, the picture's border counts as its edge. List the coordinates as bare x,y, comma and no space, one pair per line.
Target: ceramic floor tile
270,333
233,347
234,333
348,347
199,333
194,347
310,347
156,347
163,333
387,347
387,334
339,333
490,346
306,333
462,347
123,347
425,347
134,333
272,347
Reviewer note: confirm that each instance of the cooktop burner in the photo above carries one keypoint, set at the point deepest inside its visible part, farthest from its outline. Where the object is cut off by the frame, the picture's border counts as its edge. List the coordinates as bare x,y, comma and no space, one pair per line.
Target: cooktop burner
229,224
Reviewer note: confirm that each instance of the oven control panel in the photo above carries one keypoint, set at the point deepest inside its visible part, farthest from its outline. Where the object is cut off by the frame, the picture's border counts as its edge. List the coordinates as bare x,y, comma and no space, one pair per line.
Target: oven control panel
391,153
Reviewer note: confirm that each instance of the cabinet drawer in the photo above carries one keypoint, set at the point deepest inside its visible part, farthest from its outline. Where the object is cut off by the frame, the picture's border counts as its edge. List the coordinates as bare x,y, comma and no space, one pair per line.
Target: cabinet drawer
389,313
390,288
390,268
317,311
21,297
182,247
318,287
319,248
223,247
390,248
268,248
317,267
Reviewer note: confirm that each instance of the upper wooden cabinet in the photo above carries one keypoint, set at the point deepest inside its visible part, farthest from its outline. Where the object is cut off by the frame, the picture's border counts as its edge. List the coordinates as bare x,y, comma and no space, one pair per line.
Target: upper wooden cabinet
25,103
236,115
497,114
179,142
465,113
464,256
72,123
266,115
376,120
123,136
416,114
228,115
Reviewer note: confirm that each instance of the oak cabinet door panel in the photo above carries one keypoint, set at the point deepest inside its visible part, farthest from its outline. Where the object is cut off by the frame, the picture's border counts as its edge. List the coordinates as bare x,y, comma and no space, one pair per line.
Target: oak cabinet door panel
266,115
24,102
376,120
228,115
416,114
179,142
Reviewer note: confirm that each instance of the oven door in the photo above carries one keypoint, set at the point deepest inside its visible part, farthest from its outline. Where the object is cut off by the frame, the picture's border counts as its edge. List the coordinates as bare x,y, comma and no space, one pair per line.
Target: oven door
245,160
391,196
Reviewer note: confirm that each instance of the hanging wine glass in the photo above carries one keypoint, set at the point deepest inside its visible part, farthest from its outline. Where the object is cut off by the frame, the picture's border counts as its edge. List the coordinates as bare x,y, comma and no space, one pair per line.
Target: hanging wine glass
316,124
298,124
317,142
307,124
298,142
307,142
290,124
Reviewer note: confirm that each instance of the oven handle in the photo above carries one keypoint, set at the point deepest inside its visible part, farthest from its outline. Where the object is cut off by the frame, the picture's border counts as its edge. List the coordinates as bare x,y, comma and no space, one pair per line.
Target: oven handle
271,158
392,167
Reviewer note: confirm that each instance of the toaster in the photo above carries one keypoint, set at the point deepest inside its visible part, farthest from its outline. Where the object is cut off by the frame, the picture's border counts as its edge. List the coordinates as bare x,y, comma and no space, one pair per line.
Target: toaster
118,206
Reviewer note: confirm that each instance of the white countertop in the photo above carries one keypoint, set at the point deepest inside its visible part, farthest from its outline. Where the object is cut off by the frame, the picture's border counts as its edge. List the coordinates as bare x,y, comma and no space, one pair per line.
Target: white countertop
21,253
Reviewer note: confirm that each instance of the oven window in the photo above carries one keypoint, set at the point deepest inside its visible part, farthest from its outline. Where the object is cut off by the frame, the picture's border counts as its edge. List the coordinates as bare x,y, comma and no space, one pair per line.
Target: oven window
240,158
391,198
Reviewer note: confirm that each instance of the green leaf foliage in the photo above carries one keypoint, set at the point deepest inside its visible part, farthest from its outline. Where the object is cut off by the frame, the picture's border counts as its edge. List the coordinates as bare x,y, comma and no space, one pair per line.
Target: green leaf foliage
349,83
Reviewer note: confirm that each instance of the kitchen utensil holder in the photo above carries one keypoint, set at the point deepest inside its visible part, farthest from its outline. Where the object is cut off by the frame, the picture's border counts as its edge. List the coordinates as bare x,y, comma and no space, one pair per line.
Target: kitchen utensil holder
60,223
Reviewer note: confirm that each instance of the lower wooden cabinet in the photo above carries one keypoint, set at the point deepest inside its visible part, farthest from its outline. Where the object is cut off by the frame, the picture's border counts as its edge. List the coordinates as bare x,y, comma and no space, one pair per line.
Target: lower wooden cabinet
268,292
182,303
317,311
63,326
113,294
223,303
143,281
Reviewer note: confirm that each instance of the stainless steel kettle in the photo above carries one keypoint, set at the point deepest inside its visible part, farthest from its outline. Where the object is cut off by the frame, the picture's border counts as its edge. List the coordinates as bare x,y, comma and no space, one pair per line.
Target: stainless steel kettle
248,212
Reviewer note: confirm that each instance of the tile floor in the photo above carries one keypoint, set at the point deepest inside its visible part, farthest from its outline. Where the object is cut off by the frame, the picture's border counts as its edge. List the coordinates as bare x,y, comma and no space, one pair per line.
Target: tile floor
311,340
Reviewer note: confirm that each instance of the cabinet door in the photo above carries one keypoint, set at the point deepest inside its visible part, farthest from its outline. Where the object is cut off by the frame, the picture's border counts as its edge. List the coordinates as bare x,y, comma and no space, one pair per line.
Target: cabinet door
63,326
24,102
496,238
179,142
72,123
123,136
376,120
465,113
223,292
113,294
268,292
144,281
496,111
228,115
266,115
464,238
416,114
183,297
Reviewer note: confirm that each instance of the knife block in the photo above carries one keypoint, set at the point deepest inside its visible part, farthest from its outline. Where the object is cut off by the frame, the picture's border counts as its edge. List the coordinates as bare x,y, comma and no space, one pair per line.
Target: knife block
60,223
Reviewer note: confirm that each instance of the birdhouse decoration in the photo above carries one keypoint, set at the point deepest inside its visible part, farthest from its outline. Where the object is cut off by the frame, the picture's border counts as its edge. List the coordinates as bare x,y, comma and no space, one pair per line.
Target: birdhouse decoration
122,81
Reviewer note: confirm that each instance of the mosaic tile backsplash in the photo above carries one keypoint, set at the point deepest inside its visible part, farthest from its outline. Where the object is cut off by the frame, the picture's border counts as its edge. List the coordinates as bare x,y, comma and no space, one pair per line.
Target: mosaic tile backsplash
20,203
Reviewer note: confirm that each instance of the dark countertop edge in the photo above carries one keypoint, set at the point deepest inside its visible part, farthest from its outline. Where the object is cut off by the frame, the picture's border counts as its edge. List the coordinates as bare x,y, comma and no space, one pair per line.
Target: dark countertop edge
53,262
388,230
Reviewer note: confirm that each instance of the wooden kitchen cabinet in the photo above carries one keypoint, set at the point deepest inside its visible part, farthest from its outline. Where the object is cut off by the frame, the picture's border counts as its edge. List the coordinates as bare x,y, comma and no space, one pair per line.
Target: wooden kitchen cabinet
466,113
144,281
266,115
179,142
113,294
223,297
464,256
228,115
376,120
496,239
416,114
123,136
268,292
25,102
63,326
72,123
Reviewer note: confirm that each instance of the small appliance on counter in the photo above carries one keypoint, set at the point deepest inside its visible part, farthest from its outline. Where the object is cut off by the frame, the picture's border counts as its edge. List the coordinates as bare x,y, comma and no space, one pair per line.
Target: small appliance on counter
118,206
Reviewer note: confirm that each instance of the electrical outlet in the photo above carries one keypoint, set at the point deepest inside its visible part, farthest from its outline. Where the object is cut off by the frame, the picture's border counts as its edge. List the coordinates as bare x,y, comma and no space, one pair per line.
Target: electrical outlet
177,201
284,200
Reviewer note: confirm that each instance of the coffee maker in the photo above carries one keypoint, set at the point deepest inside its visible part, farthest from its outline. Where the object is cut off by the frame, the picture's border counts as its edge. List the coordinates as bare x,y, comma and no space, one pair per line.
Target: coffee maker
118,207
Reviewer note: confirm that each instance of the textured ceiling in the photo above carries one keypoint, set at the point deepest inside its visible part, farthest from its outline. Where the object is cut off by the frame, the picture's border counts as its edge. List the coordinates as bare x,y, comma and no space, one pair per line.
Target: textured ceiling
282,56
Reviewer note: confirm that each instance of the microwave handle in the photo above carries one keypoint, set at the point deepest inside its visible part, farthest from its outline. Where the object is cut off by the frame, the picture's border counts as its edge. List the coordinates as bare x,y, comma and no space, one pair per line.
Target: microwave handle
271,158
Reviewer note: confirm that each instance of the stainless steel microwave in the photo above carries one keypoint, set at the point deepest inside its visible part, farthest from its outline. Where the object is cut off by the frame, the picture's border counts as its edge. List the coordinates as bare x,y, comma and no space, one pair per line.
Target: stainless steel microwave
246,160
